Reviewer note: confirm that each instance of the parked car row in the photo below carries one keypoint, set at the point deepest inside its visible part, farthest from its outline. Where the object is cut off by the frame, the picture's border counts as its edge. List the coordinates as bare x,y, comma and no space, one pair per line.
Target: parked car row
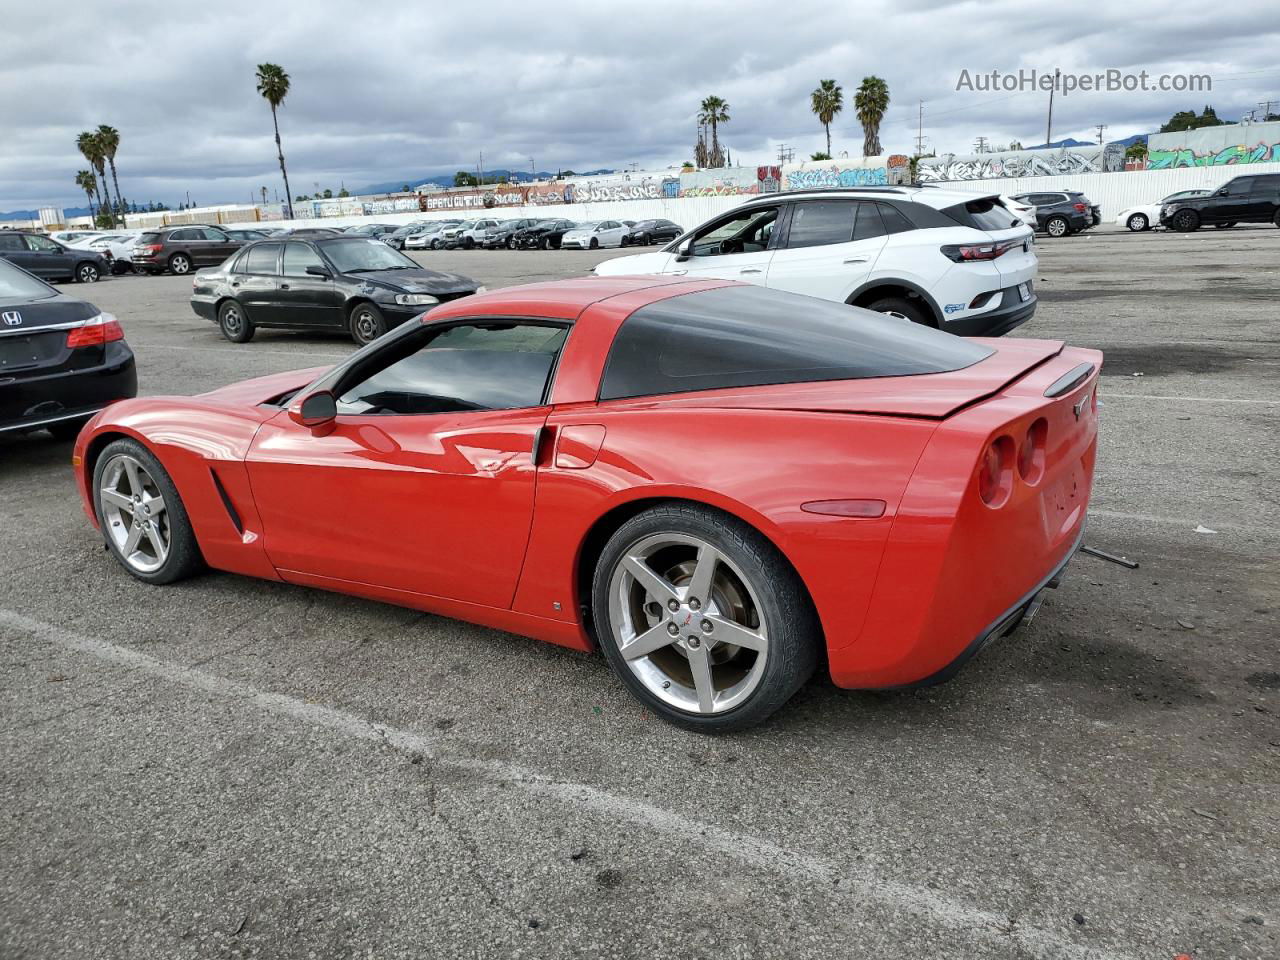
1060,213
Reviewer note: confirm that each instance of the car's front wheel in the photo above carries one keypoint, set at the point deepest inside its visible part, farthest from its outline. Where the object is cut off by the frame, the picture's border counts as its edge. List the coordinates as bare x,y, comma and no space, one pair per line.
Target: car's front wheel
1186,221
142,516
702,618
234,323
1057,227
1138,222
367,323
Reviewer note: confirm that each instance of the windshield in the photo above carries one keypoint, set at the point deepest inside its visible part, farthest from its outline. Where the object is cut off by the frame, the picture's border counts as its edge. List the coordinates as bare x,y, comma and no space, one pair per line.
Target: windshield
17,284
353,255
509,225
589,225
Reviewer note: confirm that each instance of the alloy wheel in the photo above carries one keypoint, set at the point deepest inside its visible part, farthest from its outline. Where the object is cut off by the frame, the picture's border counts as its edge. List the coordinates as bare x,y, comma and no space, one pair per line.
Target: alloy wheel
179,264
87,273
134,514
1056,227
688,623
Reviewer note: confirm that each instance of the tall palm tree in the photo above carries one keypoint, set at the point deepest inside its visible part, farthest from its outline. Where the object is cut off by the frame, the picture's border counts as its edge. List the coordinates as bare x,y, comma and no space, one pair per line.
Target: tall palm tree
109,140
91,149
826,102
87,182
714,111
872,100
273,84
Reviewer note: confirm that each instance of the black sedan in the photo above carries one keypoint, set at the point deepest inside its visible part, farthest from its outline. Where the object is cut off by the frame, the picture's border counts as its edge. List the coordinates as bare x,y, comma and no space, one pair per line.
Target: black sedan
504,234
543,236
61,359
646,232
352,285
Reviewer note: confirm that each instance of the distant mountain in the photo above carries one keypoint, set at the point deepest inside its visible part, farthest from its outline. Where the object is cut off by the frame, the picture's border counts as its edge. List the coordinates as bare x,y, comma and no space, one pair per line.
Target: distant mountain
35,214
446,179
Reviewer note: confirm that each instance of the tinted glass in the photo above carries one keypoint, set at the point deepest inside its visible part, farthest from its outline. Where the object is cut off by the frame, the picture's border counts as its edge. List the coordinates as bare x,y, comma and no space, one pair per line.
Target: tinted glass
11,241
989,213
17,284
747,231
217,235
1239,185
869,225
299,256
42,244
494,366
893,220
821,222
262,258
748,336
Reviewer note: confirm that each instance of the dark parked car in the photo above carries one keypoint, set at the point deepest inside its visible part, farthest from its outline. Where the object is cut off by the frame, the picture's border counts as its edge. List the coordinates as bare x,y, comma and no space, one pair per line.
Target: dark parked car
1062,212
398,236
646,232
61,359
312,232
351,285
181,249
374,230
39,255
245,236
545,235
1247,199
504,234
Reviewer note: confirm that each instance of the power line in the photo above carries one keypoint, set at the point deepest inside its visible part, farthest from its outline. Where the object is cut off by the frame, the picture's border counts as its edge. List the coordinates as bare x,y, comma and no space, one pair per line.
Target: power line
1101,127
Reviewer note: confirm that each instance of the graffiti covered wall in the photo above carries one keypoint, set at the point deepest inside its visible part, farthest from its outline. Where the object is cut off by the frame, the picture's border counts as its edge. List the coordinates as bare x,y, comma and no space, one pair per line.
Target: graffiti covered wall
844,172
1215,146
1063,161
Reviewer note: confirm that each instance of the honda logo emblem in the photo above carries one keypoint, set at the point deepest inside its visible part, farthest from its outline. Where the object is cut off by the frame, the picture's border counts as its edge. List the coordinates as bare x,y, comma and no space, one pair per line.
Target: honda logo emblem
12,317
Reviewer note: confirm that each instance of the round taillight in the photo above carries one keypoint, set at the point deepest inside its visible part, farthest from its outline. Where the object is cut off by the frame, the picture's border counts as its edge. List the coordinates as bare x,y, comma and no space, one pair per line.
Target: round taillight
1032,452
995,472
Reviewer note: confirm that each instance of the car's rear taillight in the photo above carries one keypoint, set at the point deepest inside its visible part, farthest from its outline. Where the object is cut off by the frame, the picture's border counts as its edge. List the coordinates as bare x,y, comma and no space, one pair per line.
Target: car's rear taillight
995,472
150,247
1081,207
104,328
1031,455
968,252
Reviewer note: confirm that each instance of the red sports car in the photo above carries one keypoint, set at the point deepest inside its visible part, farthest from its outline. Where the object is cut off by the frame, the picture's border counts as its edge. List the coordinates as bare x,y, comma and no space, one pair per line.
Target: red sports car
719,485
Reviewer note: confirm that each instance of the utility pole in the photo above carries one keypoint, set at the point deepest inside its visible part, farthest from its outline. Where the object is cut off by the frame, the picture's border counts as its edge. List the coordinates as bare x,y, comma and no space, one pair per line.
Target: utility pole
1266,107
480,170
1101,127
785,154
1048,127
533,168
980,145
920,132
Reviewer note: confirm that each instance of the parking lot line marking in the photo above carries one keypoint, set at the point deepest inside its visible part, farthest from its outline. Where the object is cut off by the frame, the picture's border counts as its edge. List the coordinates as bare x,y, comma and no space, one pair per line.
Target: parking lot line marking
1105,396
761,854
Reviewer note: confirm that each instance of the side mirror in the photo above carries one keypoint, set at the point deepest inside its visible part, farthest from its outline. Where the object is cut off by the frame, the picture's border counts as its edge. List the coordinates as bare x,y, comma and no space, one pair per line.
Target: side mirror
317,410
685,251
318,272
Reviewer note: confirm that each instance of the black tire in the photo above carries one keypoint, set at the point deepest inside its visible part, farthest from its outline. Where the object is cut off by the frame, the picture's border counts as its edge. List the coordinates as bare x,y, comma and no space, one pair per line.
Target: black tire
1057,227
595,244
1186,221
184,558
367,323
795,635
435,244
1224,226
1276,219
67,430
511,243
467,243
87,273
180,264
546,243
1138,222
904,308
234,322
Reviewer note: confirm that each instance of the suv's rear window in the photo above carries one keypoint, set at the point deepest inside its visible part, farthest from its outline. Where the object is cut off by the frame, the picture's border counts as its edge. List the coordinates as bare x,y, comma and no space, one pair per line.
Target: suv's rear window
150,238
989,213
749,336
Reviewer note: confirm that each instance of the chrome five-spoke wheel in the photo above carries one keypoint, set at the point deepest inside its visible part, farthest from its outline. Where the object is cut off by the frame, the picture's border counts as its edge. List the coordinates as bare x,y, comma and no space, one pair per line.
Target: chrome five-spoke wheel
134,513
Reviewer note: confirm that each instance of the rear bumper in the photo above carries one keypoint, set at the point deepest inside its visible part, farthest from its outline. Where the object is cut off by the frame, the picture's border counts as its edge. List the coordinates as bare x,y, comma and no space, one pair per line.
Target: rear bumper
1012,312
30,404
205,307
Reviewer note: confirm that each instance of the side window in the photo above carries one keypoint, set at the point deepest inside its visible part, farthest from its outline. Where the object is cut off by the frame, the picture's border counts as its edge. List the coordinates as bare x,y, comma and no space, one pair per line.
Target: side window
1240,186
42,244
471,366
241,264
182,235
893,219
748,231
217,235
815,223
262,259
299,256
11,242
869,225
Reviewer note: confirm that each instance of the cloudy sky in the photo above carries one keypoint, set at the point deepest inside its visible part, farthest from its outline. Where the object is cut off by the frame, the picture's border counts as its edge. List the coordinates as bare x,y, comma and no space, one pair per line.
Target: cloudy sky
388,90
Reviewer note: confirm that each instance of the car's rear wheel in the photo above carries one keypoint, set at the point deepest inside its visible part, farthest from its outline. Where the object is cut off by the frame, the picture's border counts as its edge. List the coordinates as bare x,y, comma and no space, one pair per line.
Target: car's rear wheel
902,308
546,243
180,263
702,618
234,322
367,323
1057,227
142,516
1186,221
1138,222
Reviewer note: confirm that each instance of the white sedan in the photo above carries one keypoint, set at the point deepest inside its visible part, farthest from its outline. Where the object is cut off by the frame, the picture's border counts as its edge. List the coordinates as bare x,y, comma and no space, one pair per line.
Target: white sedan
1144,216
591,236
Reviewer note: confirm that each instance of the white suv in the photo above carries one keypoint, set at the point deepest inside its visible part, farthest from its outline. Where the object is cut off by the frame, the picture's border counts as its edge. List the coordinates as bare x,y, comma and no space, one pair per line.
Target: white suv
958,261
467,234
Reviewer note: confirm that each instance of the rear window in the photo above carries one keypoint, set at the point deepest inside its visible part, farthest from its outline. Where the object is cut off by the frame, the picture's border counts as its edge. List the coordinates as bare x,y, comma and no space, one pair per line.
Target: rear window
749,336
149,238
17,284
989,213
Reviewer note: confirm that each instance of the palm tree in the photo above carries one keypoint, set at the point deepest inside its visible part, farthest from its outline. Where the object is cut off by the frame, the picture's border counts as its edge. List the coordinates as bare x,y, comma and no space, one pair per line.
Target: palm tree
87,182
715,111
826,102
109,140
273,84
872,100
91,149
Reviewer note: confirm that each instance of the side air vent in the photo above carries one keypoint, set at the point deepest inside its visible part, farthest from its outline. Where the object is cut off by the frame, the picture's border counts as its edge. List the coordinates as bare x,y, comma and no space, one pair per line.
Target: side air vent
226,502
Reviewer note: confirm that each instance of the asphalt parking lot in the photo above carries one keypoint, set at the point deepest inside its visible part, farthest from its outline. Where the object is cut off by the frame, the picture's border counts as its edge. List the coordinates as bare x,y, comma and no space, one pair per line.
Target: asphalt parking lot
234,768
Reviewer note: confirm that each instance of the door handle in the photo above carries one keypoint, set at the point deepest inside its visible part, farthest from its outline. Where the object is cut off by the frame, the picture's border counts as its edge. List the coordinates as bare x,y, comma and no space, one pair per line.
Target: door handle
751,270
540,436
235,283
856,260
284,286
677,273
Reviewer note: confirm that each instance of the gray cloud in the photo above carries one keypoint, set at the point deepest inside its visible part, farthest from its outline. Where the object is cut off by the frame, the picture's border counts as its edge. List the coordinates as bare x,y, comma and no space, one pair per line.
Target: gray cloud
386,91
